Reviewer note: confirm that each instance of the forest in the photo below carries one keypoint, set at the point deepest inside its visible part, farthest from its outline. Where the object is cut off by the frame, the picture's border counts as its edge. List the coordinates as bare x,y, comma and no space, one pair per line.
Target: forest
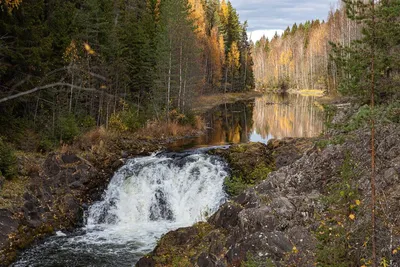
69,66
331,55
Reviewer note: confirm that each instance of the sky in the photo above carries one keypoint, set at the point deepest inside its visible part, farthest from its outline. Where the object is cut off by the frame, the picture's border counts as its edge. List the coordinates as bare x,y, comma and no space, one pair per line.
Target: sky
268,16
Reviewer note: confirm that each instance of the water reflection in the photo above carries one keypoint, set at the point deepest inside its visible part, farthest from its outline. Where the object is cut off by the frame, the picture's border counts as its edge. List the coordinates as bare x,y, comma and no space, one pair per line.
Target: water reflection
271,116
279,116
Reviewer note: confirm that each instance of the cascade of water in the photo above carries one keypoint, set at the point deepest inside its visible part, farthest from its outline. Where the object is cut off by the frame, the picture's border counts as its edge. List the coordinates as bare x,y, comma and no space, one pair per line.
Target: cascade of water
146,198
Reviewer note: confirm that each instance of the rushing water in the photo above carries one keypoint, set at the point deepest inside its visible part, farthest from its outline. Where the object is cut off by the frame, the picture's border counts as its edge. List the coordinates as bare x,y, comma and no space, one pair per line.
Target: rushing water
146,198
150,196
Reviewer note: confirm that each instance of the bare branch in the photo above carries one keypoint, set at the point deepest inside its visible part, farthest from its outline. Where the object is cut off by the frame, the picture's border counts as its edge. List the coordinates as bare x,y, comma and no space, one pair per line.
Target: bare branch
51,86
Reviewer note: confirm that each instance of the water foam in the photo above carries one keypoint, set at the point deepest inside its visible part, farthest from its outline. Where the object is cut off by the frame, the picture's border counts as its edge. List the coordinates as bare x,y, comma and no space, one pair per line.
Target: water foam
145,199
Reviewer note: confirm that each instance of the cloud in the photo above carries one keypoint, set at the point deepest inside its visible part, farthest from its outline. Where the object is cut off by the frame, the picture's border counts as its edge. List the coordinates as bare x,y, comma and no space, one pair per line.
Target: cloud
257,34
272,15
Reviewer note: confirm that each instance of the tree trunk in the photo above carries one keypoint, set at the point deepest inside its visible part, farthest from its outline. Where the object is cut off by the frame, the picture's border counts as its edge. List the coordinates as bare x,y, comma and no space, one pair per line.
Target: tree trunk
373,166
180,77
169,79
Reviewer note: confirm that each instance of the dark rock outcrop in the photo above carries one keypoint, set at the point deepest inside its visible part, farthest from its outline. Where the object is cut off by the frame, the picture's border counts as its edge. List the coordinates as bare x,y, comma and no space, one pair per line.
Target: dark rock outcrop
275,223
52,200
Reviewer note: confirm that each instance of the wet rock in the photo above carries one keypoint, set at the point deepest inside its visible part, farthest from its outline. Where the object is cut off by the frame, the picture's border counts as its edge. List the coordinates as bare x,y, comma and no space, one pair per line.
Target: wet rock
118,164
146,262
124,154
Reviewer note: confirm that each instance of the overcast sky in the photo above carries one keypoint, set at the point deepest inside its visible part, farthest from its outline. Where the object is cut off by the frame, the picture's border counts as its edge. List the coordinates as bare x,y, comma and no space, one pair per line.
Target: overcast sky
268,16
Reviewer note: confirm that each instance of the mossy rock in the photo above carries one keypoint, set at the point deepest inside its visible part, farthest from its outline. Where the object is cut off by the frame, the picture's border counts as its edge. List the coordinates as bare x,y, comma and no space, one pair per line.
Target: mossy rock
250,164
184,246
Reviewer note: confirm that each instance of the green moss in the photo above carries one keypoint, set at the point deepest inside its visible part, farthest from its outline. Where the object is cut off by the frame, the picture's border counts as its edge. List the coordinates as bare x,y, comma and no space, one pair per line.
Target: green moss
337,140
251,261
171,253
236,184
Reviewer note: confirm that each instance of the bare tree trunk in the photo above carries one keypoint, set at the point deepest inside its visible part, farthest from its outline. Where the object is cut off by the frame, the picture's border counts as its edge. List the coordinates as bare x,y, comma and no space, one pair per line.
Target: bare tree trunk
184,86
373,155
180,77
169,79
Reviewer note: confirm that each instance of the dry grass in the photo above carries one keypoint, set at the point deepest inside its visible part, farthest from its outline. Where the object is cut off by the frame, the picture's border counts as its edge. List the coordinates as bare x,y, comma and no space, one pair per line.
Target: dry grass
162,130
12,192
93,138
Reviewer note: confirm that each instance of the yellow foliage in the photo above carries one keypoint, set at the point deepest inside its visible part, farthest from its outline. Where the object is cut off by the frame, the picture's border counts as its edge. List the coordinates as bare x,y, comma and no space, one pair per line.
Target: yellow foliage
352,217
222,48
116,123
11,3
198,15
88,49
286,57
224,12
358,202
71,53
234,56
217,56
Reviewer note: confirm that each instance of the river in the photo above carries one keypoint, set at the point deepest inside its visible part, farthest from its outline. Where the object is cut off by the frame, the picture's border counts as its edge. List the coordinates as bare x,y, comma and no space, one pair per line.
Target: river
150,196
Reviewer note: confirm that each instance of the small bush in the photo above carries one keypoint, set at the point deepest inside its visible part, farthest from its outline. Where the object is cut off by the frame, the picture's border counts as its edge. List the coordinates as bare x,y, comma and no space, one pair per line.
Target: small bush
124,121
8,160
87,123
67,128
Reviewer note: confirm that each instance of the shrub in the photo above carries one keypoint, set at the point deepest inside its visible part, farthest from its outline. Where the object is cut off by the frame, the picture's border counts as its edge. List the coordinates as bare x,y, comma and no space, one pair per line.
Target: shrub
87,122
126,120
8,160
67,128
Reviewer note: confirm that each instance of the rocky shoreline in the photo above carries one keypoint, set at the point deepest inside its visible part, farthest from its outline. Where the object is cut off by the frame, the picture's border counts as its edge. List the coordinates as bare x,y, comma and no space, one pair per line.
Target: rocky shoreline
289,198
314,207
59,186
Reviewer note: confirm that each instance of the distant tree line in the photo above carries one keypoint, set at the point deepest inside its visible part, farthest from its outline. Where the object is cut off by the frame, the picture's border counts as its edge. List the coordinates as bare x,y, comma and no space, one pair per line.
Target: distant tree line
68,65
332,55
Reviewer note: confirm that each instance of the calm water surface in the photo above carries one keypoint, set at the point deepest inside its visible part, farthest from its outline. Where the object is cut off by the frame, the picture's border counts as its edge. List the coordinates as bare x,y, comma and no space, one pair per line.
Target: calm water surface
271,116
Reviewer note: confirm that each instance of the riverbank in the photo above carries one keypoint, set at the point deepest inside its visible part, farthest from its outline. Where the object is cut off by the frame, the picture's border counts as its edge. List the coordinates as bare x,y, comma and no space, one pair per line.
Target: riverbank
313,206
50,191
205,103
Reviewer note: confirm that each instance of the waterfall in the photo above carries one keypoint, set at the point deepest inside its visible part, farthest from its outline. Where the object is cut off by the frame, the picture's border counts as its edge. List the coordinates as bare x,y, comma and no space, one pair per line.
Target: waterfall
145,199
151,195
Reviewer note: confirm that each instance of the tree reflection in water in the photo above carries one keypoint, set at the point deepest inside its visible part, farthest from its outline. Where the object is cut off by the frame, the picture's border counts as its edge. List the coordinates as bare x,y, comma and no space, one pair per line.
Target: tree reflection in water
259,120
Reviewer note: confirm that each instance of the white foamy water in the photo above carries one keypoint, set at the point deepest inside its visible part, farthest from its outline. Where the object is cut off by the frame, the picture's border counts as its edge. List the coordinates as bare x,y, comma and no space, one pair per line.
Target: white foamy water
146,198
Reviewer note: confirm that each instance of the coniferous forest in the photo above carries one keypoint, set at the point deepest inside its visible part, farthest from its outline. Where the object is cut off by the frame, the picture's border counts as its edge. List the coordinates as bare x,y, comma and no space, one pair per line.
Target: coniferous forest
70,65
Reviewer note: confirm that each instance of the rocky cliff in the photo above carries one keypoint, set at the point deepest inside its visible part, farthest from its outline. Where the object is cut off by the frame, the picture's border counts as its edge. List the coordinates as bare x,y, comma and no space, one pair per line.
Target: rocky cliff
314,207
